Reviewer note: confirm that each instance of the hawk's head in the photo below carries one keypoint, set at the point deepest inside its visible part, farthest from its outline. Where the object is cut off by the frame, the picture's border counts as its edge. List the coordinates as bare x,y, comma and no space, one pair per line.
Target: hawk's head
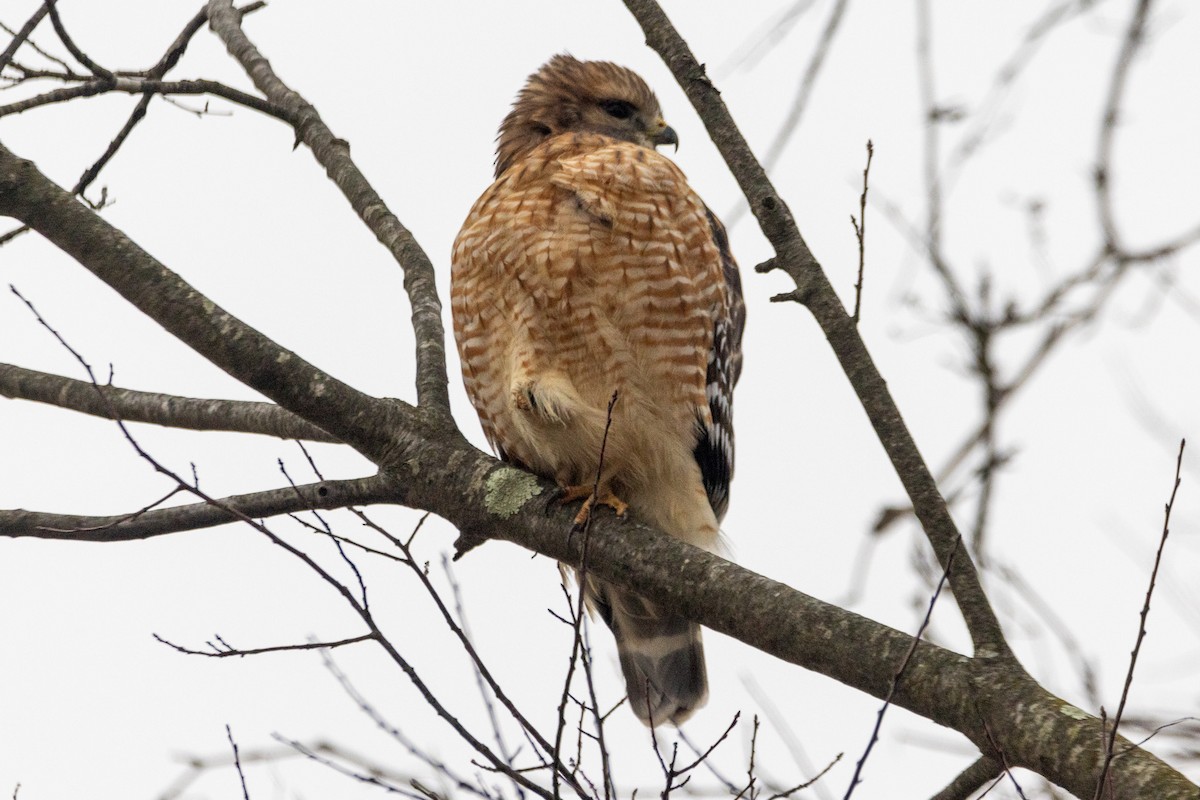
568,95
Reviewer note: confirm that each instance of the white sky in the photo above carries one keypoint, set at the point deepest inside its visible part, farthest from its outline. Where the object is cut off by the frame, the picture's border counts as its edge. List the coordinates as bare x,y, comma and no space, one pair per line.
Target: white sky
91,706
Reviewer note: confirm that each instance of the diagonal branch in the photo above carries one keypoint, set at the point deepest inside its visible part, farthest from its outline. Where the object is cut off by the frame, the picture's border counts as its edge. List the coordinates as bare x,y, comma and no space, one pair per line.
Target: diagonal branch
169,410
157,522
334,155
809,80
815,292
21,35
74,49
1108,128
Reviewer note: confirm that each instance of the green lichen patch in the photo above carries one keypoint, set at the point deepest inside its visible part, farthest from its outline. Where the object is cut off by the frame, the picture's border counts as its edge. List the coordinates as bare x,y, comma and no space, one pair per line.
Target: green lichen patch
1073,712
508,489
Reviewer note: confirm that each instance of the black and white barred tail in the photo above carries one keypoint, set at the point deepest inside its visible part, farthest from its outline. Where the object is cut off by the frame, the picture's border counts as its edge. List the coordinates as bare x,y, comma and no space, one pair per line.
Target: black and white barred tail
662,655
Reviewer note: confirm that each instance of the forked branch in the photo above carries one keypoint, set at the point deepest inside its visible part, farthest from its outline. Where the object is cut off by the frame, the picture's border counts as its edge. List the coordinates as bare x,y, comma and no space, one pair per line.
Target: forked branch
334,155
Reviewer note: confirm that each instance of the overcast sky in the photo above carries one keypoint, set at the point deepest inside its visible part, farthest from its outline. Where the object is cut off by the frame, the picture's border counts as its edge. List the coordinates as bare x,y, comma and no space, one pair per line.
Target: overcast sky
91,706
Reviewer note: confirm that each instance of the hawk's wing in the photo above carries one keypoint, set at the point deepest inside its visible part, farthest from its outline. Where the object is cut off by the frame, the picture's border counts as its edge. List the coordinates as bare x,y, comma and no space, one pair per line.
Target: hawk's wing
714,450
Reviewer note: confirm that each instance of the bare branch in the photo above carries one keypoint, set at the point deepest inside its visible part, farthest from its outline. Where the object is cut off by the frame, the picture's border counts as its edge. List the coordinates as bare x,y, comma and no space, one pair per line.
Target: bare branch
237,762
860,231
369,779
158,522
809,79
22,35
934,116
1111,740
69,43
1108,129
808,783
144,86
168,410
784,731
222,649
856,779
581,579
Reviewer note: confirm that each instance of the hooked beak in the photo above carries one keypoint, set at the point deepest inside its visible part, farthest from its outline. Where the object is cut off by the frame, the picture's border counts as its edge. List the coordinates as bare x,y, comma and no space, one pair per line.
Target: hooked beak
666,135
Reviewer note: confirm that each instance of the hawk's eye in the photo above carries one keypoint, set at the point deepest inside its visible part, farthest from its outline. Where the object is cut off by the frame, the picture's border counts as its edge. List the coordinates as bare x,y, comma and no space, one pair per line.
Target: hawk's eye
617,108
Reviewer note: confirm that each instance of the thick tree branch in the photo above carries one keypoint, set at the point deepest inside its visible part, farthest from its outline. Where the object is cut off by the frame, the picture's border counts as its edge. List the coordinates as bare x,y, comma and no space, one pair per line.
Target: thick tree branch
324,495
334,155
814,291
168,410
985,699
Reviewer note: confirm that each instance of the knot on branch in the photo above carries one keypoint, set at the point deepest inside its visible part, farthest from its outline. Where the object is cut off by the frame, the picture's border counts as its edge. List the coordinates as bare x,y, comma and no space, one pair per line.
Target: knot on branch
467,541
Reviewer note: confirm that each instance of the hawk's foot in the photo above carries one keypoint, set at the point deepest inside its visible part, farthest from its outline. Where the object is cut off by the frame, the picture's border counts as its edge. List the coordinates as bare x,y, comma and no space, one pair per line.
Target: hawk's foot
603,497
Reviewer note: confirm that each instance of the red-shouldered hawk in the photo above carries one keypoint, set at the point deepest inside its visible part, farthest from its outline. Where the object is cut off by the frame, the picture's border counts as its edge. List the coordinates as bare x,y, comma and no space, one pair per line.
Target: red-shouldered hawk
590,267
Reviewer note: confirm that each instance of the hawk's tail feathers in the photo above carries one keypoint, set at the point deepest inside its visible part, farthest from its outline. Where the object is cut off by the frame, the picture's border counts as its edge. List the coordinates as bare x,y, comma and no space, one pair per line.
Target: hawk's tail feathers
661,655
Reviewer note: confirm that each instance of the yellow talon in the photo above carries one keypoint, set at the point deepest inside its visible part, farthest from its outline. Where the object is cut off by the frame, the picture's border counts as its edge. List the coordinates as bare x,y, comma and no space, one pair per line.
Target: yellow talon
603,497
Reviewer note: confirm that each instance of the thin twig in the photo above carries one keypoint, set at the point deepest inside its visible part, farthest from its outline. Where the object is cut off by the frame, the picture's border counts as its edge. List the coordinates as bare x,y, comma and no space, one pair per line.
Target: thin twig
597,718
1110,744
810,782
895,684
328,531
860,232
480,683
808,81
784,730
531,732
581,578
1130,44
970,780
370,780
237,762
437,765
222,649
750,792
1004,763
169,59
141,86
703,757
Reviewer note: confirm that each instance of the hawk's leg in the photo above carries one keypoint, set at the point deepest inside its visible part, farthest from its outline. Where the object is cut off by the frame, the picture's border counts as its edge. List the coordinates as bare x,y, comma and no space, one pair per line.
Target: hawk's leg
603,497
